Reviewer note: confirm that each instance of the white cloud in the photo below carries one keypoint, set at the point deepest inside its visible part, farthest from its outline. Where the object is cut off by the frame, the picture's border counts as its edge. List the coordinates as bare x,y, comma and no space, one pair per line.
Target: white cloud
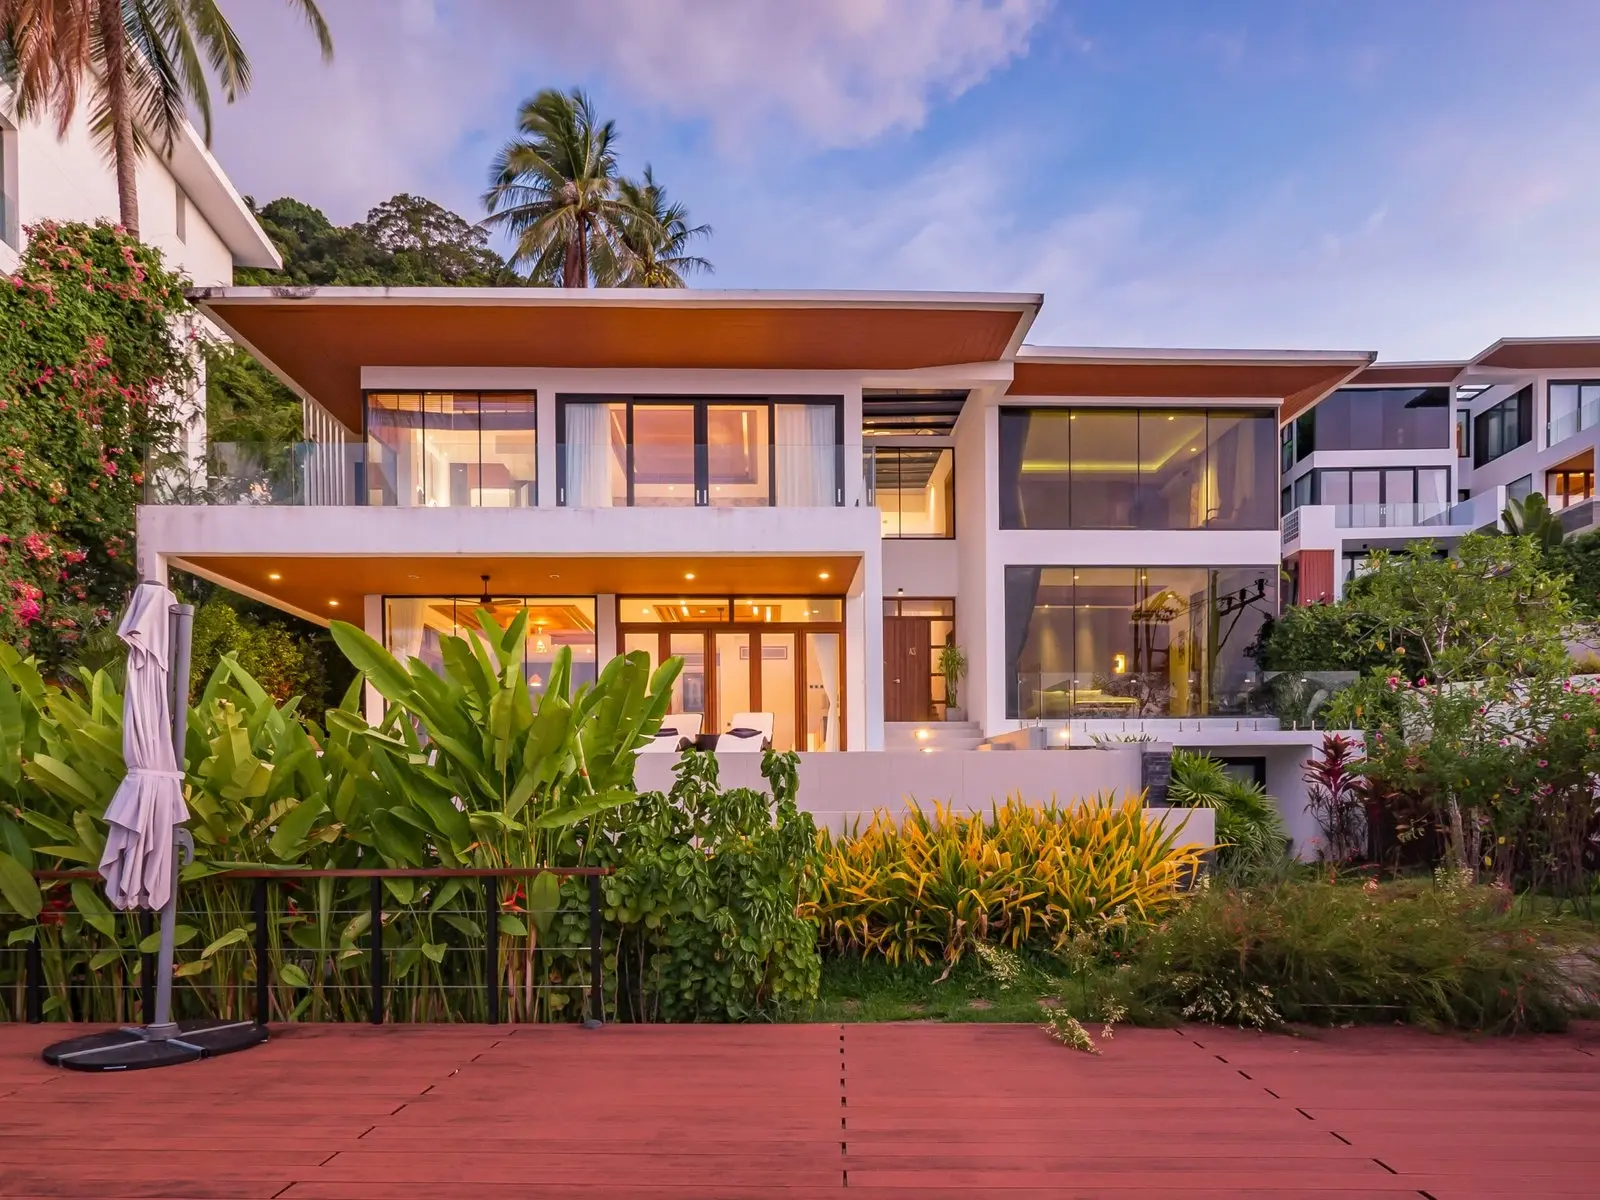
413,83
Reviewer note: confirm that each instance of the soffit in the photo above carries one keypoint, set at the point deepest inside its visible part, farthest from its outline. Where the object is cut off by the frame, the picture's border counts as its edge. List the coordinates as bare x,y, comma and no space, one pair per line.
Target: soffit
320,347
308,583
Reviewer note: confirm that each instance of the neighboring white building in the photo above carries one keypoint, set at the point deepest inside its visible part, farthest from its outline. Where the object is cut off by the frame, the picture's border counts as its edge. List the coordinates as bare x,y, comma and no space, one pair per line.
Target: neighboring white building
188,209
805,495
1412,451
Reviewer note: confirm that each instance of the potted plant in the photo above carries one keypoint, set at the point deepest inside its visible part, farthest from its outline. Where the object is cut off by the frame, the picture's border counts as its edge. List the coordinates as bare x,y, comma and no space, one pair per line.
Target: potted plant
953,666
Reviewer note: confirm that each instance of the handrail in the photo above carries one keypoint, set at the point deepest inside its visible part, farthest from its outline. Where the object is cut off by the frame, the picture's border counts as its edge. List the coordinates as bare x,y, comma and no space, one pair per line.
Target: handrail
367,873
264,877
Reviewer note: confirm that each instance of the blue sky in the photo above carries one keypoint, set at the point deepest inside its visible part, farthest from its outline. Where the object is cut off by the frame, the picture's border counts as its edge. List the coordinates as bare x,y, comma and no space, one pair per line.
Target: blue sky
1417,177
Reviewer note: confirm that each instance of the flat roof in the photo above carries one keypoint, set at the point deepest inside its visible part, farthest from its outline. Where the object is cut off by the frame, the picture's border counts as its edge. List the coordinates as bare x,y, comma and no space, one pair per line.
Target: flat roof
319,339
1295,378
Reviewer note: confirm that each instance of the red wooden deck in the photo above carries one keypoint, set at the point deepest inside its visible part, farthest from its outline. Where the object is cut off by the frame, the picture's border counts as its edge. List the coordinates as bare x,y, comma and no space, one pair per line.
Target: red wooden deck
909,1111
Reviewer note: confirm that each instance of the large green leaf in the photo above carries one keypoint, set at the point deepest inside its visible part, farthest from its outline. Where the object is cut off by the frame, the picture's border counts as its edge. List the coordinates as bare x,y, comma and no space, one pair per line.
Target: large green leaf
18,887
372,660
93,908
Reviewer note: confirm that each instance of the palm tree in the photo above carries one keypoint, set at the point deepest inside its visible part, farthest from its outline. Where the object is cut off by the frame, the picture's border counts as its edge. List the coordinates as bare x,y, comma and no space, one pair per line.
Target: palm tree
554,188
143,61
657,237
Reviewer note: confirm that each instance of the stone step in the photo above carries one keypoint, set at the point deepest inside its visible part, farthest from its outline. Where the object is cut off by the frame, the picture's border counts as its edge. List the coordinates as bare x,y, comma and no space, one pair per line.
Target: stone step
932,736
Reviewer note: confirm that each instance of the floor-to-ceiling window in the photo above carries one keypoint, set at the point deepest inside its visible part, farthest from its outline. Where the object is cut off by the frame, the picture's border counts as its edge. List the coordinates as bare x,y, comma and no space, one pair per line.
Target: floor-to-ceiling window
1144,468
1132,641
451,449
416,626
727,452
782,655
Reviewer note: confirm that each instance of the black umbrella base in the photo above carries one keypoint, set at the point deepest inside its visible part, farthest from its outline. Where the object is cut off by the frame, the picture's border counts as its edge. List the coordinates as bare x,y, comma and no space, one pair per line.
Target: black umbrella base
137,1047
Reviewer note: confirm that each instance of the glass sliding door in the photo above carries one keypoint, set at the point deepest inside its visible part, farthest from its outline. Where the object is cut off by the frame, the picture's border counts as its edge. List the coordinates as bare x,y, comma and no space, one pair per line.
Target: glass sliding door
737,462
665,469
704,452
733,677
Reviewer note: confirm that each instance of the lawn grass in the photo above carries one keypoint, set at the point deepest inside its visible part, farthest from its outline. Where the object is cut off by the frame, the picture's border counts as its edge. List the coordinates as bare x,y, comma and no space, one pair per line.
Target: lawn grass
855,989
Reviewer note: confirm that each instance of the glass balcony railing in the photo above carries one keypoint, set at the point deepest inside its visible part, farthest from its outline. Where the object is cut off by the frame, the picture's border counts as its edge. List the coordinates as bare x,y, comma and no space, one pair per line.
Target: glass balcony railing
1136,695
1571,423
1387,516
683,475
359,473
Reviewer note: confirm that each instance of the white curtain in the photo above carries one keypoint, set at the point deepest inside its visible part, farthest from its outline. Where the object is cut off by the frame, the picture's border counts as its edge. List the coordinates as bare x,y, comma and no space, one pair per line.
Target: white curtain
588,456
405,628
825,656
805,452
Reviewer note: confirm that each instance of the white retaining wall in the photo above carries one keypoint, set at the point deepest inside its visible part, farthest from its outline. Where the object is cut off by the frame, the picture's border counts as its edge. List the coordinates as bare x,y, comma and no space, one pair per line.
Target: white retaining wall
838,788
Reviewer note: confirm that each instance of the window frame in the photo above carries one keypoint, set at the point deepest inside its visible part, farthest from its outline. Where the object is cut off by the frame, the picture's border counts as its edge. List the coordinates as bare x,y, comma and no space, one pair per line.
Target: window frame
362,492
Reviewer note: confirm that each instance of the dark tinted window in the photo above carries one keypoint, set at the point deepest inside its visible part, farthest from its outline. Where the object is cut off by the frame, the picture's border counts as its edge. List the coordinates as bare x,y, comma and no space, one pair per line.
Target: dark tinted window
1501,429
1379,419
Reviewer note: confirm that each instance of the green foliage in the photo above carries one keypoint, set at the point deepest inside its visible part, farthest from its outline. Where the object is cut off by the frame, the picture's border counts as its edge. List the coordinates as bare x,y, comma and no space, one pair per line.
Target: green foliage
707,897
282,661
1318,637
953,666
1578,559
245,402
1329,954
91,353
1531,518
266,785
407,241
1250,829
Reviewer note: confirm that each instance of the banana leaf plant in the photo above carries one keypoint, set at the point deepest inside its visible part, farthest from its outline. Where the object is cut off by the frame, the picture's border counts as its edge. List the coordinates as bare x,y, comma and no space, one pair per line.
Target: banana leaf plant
493,779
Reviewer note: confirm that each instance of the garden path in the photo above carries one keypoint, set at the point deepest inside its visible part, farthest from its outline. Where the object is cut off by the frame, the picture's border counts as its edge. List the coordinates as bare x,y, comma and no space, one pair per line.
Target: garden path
920,1111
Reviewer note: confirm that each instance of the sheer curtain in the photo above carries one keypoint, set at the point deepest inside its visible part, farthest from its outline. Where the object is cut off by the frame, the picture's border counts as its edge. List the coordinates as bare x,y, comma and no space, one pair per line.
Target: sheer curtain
806,452
825,657
588,456
405,627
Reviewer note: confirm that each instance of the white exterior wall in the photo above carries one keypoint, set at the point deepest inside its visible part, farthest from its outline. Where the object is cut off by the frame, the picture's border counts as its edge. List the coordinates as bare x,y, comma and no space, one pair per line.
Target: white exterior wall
1538,456
69,179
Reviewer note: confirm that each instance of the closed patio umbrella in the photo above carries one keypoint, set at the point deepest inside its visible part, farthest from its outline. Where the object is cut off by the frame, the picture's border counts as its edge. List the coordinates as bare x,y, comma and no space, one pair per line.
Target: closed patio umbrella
144,835
148,808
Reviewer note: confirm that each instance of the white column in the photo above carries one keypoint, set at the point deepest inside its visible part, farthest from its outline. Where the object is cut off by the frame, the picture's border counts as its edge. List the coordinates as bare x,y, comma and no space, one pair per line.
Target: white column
863,653
605,629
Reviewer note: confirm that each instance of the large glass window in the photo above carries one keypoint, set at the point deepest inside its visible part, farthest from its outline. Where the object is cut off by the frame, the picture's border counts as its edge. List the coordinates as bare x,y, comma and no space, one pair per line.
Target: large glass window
1118,468
699,452
1501,429
415,627
915,487
1566,488
1132,642
451,449
1377,419
1572,405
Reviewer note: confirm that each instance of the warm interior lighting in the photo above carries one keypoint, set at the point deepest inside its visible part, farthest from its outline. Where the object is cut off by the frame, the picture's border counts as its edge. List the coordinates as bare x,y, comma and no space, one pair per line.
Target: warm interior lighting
1119,664
822,574
274,576
922,735
688,574
333,604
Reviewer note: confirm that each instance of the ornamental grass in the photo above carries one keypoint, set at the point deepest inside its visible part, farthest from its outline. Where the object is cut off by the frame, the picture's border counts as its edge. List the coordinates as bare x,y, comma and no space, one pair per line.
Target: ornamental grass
932,886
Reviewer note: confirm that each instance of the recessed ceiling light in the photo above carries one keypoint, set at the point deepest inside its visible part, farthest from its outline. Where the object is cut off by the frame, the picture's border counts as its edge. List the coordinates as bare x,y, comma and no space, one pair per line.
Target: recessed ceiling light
274,576
822,574
688,574
553,575
333,604
413,576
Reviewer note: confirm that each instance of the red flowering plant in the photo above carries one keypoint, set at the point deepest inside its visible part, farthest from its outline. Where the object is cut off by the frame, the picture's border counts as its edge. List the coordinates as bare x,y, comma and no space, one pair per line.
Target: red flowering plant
95,376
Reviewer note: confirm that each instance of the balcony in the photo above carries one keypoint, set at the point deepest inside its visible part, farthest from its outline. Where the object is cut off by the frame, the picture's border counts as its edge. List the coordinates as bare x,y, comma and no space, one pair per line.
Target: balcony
1388,516
1572,417
322,474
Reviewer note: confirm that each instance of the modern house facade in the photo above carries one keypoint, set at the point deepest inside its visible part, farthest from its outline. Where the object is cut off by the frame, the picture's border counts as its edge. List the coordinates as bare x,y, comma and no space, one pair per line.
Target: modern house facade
1413,451
188,208
806,496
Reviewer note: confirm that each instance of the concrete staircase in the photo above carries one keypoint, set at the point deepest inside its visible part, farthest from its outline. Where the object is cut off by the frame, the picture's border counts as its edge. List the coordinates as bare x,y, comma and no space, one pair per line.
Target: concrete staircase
931,736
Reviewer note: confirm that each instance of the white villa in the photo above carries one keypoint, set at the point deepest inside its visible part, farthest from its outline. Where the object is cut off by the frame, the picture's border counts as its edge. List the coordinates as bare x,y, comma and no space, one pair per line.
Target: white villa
804,495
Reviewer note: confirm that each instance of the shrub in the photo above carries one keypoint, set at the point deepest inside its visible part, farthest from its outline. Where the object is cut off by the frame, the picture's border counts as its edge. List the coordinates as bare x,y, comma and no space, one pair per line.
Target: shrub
708,895
282,663
1323,953
1249,827
1025,874
1337,798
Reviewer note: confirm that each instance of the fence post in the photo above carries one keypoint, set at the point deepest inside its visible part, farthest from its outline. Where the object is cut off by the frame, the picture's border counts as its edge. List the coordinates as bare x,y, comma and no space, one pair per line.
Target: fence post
33,981
491,947
147,970
597,998
375,936
263,952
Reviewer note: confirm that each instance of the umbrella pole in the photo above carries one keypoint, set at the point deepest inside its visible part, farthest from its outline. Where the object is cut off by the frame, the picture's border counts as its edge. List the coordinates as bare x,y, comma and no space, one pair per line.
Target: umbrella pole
182,619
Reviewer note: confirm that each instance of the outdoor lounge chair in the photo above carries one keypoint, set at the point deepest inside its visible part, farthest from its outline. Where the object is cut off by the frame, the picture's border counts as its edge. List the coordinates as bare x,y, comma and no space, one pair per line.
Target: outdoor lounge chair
747,731
678,731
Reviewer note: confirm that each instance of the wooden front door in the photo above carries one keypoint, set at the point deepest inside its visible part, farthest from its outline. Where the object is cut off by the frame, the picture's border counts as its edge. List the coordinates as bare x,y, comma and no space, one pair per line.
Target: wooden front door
907,674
